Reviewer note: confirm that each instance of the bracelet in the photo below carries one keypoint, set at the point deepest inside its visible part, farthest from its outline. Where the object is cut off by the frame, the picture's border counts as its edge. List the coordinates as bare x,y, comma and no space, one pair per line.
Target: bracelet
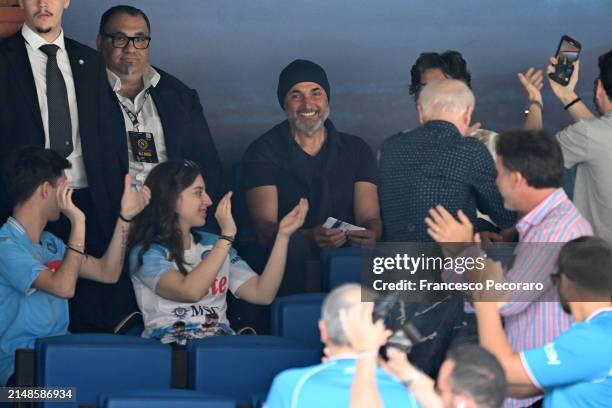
536,103
75,250
75,244
414,377
227,238
572,103
122,218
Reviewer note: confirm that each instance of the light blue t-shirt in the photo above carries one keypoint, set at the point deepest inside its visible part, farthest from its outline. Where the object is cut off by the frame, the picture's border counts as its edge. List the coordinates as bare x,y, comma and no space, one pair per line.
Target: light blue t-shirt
27,313
329,385
575,369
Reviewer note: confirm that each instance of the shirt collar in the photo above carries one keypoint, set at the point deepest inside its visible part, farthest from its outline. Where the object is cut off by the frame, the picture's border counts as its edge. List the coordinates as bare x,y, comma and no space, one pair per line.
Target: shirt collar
150,78
442,124
17,230
36,41
596,313
535,216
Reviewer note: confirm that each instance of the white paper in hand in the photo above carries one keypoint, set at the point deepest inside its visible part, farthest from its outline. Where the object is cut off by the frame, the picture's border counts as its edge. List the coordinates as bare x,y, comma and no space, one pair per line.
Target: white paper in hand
331,222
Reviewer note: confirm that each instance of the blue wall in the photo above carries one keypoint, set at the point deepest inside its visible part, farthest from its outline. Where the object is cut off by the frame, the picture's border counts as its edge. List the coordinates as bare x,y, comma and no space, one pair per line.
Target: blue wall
233,51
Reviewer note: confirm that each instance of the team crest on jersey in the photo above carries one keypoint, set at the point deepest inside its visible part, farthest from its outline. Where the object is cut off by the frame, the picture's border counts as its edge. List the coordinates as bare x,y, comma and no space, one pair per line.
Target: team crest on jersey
51,247
180,312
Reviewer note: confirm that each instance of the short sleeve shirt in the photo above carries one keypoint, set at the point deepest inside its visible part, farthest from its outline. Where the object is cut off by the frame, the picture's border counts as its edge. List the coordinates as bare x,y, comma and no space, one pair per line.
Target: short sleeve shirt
27,313
575,370
275,159
176,322
329,385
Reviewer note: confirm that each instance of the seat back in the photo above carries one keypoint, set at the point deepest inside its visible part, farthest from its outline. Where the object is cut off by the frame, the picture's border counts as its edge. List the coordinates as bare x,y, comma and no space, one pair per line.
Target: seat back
296,317
163,399
101,363
240,366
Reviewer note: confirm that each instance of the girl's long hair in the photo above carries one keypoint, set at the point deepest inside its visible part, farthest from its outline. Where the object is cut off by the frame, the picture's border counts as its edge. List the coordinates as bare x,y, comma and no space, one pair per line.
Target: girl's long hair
158,222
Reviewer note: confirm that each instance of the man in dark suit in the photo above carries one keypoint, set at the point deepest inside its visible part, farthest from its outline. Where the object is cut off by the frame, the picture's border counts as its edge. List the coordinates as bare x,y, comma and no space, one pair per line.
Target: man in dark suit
53,93
159,118
151,105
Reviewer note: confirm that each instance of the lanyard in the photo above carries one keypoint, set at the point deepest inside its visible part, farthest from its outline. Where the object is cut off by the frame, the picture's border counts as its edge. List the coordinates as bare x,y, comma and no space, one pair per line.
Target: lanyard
134,115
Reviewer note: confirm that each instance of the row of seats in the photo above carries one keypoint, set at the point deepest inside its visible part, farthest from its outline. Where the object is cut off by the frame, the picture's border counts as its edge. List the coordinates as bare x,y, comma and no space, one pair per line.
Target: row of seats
234,369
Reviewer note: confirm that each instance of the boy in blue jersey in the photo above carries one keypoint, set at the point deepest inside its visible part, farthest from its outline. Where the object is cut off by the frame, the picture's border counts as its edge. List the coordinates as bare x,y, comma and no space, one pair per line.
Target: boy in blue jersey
329,384
575,369
38,272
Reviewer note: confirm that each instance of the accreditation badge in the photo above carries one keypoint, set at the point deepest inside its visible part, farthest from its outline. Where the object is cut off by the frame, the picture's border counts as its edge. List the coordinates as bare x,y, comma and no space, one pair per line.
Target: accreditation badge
143,147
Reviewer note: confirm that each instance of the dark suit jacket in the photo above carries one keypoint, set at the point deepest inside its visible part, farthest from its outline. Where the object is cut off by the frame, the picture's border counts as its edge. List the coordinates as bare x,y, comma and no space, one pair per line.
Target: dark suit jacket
21,121
186,133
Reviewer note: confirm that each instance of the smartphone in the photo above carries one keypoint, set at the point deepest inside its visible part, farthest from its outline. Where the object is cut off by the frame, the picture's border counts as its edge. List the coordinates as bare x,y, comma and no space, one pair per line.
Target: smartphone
567,54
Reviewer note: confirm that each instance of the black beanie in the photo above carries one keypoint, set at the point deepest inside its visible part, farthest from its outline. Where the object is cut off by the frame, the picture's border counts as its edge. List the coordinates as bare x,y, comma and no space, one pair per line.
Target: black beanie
300,71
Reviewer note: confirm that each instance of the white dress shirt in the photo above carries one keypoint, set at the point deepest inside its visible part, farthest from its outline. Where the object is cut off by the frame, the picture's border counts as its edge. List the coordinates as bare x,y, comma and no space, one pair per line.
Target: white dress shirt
77,177
148,121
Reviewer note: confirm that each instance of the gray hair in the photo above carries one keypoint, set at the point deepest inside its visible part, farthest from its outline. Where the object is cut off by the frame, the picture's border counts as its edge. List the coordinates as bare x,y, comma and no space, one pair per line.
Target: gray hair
337,300
446,96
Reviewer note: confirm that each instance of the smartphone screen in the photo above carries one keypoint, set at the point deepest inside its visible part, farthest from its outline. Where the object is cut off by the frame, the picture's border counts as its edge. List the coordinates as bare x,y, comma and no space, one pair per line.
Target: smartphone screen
568,52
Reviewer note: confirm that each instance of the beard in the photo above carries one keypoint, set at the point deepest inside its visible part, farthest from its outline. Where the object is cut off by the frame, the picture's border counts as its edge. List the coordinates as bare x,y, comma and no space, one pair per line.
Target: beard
306,125
43,30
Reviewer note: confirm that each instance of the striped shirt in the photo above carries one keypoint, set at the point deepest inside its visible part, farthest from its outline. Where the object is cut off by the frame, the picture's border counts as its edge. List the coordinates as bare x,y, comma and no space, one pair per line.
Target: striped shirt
535,322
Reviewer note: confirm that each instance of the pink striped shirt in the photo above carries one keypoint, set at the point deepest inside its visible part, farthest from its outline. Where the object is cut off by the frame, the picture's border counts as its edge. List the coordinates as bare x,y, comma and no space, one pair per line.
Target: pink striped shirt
533,323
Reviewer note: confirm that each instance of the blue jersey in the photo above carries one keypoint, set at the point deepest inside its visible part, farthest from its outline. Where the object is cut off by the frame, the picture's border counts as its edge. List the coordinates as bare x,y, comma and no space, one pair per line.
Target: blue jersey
27,313
575,369
329,385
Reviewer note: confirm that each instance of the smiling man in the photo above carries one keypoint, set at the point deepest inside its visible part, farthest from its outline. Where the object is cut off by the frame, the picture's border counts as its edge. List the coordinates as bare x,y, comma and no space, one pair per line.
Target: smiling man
305,156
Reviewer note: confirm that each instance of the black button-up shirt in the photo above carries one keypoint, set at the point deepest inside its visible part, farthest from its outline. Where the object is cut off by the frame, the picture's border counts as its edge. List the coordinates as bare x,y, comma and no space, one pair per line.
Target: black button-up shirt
326,179
434,164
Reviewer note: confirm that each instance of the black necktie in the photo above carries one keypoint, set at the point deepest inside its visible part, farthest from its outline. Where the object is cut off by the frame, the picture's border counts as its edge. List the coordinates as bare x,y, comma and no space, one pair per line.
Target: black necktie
60,128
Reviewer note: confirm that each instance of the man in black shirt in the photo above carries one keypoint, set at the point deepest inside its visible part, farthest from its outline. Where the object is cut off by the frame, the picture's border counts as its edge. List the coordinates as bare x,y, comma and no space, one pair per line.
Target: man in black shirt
305,156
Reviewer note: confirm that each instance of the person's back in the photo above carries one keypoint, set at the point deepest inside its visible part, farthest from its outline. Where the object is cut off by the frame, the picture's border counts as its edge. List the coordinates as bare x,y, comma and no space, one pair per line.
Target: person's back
329,385
434,164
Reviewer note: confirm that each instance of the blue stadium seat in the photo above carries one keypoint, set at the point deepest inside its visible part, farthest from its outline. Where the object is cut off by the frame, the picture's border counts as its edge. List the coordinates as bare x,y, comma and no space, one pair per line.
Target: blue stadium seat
240,366
295,317
163,399
101,363
341,266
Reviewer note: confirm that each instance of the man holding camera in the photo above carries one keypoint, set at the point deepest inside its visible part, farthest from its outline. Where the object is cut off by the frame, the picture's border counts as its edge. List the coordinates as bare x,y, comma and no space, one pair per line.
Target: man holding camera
329,384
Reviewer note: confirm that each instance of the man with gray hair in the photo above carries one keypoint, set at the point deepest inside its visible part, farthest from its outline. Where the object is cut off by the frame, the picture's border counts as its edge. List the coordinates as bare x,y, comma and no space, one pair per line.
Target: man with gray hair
430,165
434,164
329,384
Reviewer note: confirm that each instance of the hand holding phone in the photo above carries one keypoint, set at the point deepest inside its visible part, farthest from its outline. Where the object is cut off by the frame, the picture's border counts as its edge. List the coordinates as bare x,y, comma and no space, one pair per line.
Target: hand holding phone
566,56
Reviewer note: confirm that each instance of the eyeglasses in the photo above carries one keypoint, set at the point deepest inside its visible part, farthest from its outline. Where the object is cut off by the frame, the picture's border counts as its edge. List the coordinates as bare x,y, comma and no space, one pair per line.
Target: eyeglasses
141,42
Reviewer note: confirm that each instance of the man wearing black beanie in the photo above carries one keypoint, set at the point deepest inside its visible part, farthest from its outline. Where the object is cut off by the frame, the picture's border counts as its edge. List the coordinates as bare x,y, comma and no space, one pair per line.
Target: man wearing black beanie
305,156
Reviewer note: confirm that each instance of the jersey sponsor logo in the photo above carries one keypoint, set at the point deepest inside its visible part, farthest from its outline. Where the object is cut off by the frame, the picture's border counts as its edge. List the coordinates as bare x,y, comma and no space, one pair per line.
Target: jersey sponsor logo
218,287
551,354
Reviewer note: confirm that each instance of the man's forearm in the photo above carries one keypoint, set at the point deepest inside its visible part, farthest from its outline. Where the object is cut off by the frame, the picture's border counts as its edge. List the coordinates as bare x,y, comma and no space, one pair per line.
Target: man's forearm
491,330
578,110
533,121
112,262
373,224
364,393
